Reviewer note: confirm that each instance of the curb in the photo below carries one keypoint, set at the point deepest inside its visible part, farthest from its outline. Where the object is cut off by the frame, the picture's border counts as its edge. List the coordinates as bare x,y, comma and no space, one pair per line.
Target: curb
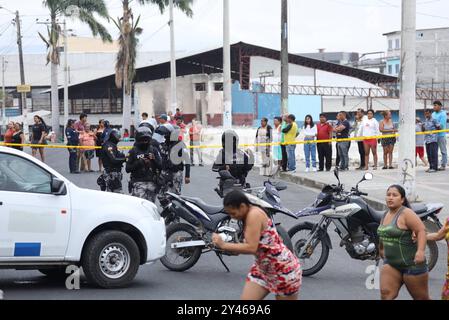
302,181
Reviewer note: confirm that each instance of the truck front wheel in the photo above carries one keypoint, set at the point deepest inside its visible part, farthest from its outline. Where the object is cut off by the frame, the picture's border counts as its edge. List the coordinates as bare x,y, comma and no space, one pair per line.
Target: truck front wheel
111,259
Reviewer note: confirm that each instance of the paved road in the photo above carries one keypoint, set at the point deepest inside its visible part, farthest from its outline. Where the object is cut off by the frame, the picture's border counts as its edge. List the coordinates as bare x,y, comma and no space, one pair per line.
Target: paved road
341,278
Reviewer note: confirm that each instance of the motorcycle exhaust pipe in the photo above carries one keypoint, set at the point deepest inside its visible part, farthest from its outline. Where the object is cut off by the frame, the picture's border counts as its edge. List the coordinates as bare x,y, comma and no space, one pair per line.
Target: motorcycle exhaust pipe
188,244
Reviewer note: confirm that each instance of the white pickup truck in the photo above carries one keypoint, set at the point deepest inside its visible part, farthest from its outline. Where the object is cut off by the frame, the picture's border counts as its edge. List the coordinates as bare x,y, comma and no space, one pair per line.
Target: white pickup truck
47,223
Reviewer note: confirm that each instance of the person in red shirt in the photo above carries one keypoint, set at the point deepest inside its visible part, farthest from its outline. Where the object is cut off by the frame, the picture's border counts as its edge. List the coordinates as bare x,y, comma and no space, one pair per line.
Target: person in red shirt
9,133
178,113
325,148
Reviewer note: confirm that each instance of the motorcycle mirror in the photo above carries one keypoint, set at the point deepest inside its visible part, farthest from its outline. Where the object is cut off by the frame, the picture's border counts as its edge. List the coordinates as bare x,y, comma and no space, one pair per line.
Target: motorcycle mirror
337,175
368,176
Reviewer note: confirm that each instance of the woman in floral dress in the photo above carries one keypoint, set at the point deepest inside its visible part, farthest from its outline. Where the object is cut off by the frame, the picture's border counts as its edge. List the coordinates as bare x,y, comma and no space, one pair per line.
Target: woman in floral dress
441,235
276,270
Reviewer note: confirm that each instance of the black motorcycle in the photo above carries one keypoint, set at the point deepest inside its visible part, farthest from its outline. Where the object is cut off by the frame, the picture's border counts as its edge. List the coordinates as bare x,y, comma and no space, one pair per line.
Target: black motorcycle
191,223
355,222
269,192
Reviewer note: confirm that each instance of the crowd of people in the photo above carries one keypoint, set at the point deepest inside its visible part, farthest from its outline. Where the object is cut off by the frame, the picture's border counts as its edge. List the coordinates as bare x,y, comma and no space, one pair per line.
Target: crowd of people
316,138
159,162
40,134
85,142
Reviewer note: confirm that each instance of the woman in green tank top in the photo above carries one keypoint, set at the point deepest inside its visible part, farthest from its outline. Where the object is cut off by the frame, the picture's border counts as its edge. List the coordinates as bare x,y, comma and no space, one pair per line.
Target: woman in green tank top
404,258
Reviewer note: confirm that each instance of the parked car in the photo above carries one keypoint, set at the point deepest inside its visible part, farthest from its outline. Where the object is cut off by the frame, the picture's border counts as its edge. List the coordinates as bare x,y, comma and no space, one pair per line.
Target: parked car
47,223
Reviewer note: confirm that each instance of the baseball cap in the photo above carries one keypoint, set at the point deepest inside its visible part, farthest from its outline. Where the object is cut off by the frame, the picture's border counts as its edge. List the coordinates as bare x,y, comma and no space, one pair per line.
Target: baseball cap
164,117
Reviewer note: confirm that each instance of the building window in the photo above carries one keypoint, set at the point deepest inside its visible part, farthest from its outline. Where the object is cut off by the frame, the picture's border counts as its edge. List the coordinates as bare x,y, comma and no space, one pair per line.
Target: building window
200,87
390,45
218,86
398,44
390,69
397,68
420,35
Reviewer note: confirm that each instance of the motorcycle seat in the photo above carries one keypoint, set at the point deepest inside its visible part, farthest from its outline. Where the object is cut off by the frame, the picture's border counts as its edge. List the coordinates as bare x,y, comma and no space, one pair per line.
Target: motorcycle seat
419,208
209,209
376,215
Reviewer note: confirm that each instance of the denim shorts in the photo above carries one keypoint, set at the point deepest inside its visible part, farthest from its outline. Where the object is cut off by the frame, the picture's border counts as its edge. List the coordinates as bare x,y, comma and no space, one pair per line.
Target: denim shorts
416,270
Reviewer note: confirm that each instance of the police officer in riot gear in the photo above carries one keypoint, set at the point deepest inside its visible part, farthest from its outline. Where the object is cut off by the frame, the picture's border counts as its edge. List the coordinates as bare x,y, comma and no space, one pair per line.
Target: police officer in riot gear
175,159
113,160
144,163
238,162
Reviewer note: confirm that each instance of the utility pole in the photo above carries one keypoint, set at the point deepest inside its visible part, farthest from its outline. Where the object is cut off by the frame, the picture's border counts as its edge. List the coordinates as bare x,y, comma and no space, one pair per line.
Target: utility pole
3,93
22,75
227,82
174,96
284,58
66,79
407,110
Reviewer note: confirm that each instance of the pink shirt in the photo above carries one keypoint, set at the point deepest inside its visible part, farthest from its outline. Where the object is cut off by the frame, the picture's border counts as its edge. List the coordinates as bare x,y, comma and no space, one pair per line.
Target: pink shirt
87,139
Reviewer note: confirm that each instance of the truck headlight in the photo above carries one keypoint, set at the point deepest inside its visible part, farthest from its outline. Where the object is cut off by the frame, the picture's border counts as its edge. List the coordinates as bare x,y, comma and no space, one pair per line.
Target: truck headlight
152,210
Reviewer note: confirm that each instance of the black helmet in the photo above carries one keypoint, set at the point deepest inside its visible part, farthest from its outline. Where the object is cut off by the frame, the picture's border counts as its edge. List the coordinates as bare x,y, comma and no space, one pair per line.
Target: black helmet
165,131
143,135
147,124
114,136
228,137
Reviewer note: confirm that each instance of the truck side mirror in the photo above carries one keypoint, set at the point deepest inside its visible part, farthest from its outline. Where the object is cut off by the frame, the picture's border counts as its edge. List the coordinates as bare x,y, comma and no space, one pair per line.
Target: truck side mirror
58,187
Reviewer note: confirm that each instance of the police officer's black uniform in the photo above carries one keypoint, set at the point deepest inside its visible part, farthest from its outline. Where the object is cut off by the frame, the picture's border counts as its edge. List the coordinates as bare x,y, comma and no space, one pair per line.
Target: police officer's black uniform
113,160
171,178
72,140
238,162
144,163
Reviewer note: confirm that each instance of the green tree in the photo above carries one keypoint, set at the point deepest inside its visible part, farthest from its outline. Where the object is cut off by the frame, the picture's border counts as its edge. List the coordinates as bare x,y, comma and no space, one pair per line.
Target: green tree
125,69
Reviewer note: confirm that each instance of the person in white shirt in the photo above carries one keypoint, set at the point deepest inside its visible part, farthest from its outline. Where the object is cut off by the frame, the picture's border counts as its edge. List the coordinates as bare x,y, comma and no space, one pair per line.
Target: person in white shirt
359,117
370,128
310,134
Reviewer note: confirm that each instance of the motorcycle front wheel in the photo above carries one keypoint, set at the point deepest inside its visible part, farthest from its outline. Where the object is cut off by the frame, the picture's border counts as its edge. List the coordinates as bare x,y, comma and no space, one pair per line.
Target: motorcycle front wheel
181,260
285,237
313,260
432,247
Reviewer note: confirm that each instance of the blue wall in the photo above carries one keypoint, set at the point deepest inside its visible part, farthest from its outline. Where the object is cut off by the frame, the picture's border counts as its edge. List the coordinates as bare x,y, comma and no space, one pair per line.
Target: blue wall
393,63
301,106
266,105
242,101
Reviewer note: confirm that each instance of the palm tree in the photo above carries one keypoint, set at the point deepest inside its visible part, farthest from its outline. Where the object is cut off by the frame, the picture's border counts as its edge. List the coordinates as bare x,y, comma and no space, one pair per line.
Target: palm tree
84,11
125,69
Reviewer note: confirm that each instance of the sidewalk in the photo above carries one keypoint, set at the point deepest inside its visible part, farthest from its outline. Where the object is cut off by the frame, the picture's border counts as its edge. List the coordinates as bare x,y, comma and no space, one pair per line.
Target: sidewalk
432,187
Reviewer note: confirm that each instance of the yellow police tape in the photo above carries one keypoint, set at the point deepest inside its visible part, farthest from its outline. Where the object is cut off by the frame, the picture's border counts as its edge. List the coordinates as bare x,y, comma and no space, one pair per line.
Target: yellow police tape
55,146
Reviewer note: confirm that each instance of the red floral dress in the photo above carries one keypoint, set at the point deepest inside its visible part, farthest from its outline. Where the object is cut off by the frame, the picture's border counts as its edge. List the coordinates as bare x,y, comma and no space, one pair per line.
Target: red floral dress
445,293
276,268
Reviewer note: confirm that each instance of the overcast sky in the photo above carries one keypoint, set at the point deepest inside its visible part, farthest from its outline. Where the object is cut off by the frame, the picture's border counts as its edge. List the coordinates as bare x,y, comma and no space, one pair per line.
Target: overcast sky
336,25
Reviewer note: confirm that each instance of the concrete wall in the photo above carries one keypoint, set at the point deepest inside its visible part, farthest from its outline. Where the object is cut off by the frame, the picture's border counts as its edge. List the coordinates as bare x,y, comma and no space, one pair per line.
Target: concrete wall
432,48
248,107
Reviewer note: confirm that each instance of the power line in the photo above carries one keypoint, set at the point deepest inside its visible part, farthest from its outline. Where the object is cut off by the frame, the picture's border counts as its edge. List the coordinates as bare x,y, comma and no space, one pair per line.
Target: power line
419,13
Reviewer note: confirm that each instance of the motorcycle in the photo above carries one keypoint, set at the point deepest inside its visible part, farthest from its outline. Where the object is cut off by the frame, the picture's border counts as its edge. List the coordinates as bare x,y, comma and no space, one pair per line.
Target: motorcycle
269,192
355,222
186,242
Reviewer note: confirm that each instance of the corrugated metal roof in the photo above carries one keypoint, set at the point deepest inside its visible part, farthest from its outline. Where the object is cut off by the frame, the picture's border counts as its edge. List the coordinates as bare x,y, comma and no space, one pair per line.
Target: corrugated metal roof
211,61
